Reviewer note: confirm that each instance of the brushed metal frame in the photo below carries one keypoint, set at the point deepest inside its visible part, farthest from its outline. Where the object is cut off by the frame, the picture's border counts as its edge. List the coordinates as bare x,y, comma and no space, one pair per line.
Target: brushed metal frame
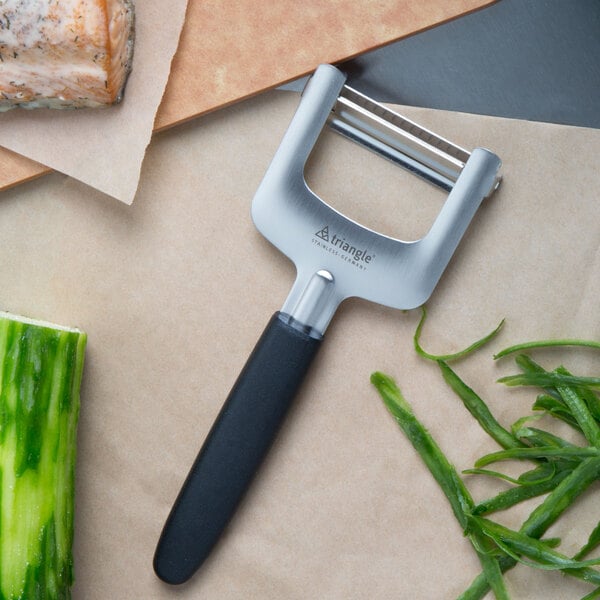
337,258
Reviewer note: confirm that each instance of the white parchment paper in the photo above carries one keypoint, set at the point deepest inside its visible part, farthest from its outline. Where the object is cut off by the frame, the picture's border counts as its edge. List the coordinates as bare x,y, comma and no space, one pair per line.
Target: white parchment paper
104,148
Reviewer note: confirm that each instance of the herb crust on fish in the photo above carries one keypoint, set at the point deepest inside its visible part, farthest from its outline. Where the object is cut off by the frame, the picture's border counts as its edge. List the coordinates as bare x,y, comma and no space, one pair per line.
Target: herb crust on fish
64,53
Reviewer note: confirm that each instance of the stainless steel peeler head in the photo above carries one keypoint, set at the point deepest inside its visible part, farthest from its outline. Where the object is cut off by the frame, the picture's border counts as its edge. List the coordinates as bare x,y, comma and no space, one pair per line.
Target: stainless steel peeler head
337,258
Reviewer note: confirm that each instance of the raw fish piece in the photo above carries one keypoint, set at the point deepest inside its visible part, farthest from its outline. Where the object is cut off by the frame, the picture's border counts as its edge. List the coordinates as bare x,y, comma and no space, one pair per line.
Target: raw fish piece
64,53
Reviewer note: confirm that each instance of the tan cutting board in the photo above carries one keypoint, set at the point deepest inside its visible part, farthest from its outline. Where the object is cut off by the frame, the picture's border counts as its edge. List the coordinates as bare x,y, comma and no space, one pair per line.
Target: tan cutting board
233,49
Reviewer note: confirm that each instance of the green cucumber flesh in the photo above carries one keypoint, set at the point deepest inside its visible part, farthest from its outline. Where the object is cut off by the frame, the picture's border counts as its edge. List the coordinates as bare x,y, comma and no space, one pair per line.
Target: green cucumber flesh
40,374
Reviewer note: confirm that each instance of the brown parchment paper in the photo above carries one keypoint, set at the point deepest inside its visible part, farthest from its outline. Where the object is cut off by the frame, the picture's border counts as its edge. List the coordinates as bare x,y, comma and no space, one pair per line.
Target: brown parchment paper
103,148
232,49
175,290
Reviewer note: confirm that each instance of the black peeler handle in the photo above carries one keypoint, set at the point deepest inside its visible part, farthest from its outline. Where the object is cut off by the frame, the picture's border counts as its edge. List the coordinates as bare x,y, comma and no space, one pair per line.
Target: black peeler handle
234,448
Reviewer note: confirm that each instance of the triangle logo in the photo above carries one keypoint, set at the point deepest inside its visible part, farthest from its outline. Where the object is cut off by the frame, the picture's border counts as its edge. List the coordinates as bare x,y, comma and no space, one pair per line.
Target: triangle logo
323,233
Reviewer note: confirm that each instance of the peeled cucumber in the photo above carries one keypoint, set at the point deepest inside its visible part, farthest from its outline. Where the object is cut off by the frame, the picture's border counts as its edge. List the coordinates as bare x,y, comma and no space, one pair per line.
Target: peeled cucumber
40,374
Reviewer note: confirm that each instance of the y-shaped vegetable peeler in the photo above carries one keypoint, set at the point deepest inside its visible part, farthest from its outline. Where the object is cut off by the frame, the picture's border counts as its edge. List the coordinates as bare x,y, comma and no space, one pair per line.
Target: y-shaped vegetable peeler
335,259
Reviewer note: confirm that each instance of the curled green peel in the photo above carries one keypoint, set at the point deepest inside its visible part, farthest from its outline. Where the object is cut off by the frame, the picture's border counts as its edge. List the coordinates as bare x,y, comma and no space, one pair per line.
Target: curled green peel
455,355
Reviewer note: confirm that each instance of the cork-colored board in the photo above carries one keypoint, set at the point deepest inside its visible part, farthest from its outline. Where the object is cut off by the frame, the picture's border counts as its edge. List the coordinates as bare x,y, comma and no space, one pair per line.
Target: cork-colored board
232,50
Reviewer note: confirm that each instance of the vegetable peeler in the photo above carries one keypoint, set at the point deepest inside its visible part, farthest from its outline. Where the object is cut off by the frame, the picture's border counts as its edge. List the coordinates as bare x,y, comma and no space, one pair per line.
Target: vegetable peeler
336,258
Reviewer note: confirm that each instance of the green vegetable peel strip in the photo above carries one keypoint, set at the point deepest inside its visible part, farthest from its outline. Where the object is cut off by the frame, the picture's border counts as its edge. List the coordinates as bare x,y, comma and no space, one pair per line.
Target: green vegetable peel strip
550,379
592,543
565,493
547,344
582,414
518,544
456,355
498,475
538,437
444,473
514,495
477,407
555,408
574,453
469,397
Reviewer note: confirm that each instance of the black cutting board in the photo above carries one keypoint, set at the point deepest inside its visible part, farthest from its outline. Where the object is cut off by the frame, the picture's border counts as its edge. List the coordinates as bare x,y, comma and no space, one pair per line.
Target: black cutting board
527,59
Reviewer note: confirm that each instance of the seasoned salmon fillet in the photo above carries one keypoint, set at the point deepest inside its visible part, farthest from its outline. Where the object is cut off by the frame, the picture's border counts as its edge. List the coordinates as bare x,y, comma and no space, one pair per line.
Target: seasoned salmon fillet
64,53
